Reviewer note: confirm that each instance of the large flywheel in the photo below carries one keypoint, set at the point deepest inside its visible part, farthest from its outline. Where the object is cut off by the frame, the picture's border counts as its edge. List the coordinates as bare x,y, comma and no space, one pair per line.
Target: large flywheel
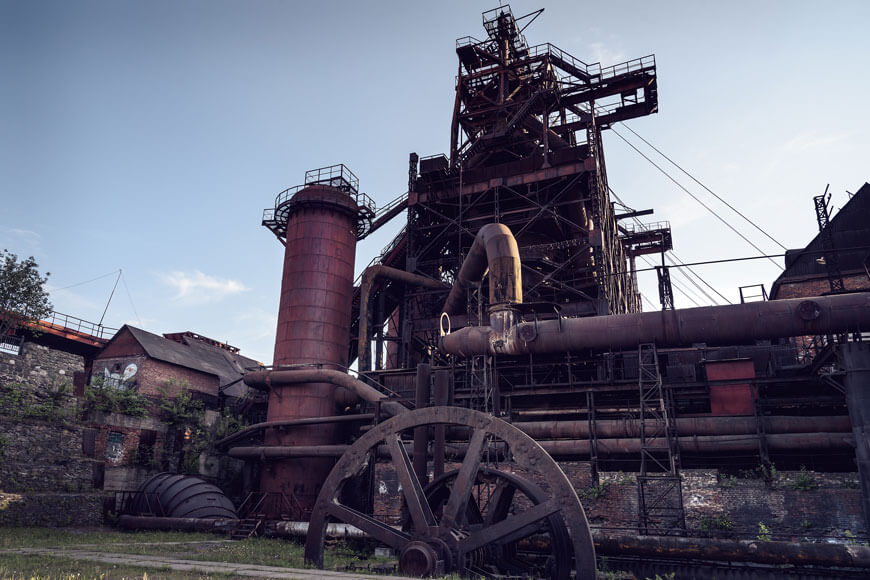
476,520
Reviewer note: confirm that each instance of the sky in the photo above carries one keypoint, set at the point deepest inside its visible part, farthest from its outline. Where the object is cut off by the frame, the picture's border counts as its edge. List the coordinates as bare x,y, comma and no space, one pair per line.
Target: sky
148,137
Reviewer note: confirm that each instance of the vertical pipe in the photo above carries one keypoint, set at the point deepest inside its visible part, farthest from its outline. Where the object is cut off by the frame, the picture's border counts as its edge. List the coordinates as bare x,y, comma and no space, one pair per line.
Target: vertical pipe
441,398
855,358
421,434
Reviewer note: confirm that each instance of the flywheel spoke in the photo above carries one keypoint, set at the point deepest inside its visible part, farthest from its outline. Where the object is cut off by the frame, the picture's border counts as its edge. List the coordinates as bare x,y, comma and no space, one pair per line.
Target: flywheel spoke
388,535
418,506
511,529
465,479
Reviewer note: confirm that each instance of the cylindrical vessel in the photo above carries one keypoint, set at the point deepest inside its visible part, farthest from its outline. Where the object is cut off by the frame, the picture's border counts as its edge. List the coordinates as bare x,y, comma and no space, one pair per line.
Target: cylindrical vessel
313,328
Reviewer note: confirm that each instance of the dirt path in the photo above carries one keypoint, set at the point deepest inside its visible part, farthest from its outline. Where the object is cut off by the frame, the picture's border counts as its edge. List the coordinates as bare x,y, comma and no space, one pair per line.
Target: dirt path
247,570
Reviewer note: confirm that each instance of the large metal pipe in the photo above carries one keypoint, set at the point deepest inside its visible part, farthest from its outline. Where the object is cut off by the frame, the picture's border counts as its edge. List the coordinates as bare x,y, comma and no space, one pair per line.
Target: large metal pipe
371,274
266,380
776,553
713,325
283,451
250,430
703,426
495,249
706,444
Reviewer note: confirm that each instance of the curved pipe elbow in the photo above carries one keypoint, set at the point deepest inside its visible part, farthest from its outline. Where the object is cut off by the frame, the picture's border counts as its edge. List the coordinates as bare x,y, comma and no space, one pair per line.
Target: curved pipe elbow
496,250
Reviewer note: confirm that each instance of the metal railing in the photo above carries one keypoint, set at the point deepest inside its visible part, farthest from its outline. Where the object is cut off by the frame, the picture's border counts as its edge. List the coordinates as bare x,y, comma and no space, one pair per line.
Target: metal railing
636,228
75,324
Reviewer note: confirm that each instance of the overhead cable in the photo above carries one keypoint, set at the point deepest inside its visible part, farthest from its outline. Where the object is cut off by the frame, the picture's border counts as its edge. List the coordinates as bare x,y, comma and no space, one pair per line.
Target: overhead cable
710,191
693,196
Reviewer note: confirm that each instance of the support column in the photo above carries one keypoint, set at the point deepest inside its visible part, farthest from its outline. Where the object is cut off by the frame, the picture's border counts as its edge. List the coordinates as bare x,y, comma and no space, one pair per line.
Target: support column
855,359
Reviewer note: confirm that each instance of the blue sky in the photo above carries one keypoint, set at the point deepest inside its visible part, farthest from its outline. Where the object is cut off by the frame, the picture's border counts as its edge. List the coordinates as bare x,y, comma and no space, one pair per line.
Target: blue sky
149,136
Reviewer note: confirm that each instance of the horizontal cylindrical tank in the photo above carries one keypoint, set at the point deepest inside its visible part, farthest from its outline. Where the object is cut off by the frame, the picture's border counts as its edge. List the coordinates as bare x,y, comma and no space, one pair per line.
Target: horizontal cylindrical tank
180,496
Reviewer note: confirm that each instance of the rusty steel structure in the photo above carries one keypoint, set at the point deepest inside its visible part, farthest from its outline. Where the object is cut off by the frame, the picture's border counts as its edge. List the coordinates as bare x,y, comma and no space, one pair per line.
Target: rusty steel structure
501,331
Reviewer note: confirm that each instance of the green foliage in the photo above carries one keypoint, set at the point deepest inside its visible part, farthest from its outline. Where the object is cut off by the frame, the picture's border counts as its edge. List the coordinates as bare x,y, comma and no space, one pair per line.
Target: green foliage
804,481
596,491
4,443
183,413
182,410
717,524
727,481
763,533
227,424
665,576
851,537
806,524
109,399
17,400
22,292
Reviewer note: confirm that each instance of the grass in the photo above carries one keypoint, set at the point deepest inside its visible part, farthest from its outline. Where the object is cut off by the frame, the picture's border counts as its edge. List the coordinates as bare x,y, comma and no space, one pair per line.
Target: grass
59,538
169,545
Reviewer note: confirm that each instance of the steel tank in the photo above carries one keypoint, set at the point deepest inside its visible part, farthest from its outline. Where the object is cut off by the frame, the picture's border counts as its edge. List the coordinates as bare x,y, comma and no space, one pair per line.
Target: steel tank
313,328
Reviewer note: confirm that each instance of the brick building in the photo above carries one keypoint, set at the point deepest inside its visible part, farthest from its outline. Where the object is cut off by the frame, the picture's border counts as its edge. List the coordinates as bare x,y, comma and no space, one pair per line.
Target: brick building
160,367
807,269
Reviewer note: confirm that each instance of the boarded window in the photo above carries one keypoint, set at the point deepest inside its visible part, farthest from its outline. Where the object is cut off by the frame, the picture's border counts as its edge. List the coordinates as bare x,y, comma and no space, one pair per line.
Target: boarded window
115,447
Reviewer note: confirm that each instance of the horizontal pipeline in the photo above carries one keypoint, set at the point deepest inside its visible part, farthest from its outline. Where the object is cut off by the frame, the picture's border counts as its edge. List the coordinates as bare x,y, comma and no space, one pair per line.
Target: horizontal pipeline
705,444
362,417
687,426
264,380
278,451
774,553
713,325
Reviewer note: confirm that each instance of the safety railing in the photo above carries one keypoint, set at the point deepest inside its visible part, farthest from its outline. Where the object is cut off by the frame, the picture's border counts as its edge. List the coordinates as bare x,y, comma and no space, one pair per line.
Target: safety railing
75,324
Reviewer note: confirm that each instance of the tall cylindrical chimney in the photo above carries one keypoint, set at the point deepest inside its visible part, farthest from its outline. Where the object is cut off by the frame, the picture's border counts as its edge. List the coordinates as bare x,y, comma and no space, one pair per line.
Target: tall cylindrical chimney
313,324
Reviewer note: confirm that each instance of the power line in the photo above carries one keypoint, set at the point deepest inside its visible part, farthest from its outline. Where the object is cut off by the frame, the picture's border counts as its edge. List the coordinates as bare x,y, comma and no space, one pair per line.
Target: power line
693,196
112,273
710,191
673,257
130,298
676,262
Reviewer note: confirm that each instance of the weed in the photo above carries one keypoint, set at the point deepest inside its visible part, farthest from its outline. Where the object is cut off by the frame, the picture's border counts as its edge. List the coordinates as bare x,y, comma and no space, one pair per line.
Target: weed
804,481
596,491
727,481
717,524
763,533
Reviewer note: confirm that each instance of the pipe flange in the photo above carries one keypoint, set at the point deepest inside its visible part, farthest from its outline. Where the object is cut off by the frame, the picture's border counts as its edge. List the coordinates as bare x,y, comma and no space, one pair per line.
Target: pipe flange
809,310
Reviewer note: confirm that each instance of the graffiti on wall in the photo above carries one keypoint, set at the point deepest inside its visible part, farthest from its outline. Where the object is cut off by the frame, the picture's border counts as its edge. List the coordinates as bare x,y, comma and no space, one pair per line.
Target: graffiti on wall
119,375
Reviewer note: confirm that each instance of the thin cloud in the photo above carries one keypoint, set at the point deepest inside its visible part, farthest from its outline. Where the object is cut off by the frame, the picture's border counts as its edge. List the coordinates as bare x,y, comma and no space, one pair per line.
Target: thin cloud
198,287
20,241
809,140
607,56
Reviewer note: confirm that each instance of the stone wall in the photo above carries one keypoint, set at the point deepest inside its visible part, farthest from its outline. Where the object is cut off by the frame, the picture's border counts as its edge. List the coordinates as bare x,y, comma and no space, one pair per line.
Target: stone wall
46,476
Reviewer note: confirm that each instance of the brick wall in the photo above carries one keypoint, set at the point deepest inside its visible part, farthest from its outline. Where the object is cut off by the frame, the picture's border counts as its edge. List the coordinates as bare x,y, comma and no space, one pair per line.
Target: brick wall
154,373
794,505
819,286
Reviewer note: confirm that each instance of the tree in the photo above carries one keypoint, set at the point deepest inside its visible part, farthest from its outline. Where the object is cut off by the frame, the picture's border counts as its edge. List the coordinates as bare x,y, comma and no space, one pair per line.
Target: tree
23,295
